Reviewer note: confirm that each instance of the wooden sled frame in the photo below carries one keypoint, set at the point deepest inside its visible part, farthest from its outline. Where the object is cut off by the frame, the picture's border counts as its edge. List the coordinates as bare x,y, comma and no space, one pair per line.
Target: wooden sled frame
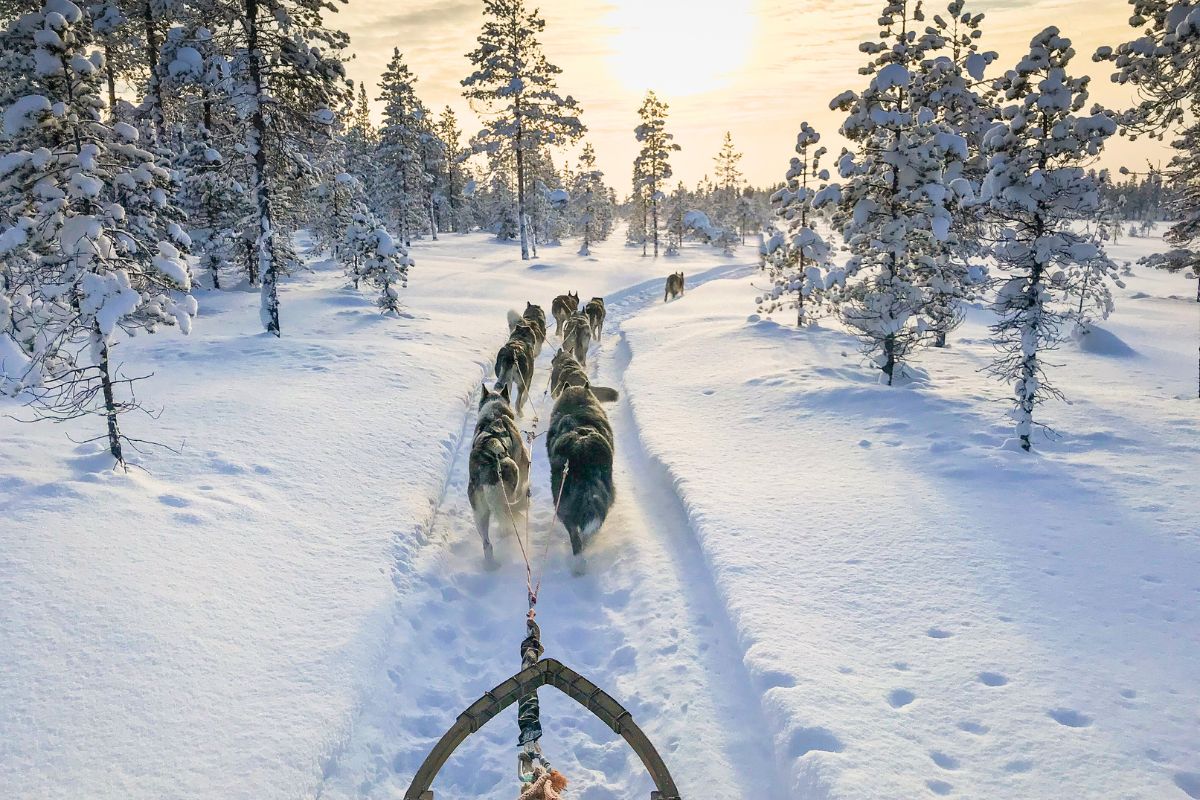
547,672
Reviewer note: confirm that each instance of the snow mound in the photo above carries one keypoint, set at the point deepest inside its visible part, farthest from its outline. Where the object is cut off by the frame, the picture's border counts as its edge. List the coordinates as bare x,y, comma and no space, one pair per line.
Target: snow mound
1101,342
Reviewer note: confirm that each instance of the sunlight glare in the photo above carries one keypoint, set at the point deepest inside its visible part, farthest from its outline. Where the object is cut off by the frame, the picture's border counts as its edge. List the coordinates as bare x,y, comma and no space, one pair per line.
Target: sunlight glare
680,47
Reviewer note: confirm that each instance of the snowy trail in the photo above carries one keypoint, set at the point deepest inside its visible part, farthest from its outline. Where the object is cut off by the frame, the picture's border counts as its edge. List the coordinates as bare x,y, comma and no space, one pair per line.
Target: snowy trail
645,623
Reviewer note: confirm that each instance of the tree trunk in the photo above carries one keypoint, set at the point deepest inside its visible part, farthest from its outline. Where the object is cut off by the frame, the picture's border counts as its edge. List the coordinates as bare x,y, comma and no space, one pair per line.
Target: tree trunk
156,112
889,355
521,199
110,403
654,219
110,74
265,234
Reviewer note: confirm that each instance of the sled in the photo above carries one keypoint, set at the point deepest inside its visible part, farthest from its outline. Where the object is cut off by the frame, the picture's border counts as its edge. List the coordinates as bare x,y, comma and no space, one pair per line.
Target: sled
545,672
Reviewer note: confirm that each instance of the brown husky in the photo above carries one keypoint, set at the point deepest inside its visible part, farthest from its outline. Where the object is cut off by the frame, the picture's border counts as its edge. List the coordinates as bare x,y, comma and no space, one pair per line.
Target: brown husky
596,313
674,286
563,306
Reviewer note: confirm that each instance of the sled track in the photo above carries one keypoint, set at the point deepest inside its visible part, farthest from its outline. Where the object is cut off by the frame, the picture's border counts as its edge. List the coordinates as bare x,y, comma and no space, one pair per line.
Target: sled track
645,622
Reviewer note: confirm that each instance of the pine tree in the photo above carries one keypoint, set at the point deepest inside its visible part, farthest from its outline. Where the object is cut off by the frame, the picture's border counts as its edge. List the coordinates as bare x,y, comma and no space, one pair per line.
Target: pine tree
1161,64
455,178
402,150
728,181
652,166
284,76
951,83
798,256
593,209
515,90
897,184
1035,188
87,213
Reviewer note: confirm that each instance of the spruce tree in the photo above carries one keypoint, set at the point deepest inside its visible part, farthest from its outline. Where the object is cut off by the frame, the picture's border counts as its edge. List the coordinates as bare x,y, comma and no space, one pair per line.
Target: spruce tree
652,167
514,88
1036,188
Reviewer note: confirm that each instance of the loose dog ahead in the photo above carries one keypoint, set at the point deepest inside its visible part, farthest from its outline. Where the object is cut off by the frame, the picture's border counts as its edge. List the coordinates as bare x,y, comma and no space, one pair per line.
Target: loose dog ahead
674,286
498,482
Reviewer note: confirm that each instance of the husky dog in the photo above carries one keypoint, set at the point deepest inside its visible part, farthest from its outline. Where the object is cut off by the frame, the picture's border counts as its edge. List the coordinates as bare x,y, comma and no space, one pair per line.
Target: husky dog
580,446
674,286
499,467
566,371
563,306
514,368
577,336
596,313
526,334
536,319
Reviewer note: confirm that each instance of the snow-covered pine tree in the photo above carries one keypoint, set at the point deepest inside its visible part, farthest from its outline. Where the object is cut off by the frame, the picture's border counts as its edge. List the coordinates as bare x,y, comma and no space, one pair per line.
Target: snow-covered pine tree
893,210
1161,63
728,181
88,210
652,167
797,256
951,82
455,178
283,78
400,151
514,88
593,218
1036,188
374,257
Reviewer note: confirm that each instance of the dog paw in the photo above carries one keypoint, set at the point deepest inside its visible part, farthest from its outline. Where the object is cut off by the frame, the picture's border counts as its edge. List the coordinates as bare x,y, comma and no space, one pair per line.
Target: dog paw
489,561
579,566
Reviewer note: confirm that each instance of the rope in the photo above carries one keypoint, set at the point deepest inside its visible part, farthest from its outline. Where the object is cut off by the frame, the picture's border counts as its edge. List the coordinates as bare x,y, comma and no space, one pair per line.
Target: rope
547,784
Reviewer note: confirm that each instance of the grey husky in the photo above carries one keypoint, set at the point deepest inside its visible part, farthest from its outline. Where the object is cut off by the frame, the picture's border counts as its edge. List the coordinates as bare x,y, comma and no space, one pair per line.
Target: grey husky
535,318
674,286
563,306
596,313
514,368
498,484
527,335
580,446
566,371
577,336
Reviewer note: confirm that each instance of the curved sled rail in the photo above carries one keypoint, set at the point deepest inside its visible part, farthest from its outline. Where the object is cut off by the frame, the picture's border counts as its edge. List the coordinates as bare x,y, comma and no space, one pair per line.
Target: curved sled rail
547,672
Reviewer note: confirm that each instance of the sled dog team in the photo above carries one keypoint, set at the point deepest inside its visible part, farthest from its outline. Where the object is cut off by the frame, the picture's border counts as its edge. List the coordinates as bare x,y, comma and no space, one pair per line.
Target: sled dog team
579,441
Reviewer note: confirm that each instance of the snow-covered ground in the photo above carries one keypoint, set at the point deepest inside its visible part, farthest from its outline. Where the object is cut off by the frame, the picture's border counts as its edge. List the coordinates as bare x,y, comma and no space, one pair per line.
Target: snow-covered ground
811,585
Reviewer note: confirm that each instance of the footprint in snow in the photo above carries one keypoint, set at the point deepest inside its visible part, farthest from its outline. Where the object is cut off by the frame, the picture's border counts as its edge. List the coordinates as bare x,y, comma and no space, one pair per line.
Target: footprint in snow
1070,717
938,633
1018,767
992,679
973,727
944,760
940,788
899,698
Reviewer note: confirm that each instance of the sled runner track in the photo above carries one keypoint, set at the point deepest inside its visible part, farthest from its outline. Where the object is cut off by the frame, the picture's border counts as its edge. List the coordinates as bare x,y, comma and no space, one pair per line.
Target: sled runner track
643,622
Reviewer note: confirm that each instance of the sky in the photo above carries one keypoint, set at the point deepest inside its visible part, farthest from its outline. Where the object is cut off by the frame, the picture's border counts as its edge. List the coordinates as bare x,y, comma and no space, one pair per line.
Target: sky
754,68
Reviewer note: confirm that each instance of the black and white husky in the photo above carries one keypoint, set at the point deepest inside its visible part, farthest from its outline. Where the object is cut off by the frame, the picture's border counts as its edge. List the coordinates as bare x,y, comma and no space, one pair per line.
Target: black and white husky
514,370
580,446
535,317
499,467
577,336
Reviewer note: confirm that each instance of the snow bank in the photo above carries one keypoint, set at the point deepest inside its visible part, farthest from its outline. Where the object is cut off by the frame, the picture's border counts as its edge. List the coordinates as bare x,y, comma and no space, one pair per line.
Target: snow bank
922,612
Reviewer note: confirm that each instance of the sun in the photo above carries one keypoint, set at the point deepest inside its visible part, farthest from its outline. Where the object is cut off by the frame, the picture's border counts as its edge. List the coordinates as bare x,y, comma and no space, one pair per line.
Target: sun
679,47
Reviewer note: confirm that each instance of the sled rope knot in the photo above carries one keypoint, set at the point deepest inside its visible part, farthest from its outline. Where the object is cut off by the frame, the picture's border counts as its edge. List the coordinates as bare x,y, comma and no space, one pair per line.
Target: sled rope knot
546,785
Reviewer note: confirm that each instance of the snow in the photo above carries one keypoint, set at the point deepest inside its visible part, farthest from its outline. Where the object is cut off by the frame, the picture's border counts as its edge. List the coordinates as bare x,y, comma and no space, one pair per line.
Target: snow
20,115
811,585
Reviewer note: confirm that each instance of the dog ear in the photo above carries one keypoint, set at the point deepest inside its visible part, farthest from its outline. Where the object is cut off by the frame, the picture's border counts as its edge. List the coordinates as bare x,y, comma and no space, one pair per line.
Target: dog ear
504,393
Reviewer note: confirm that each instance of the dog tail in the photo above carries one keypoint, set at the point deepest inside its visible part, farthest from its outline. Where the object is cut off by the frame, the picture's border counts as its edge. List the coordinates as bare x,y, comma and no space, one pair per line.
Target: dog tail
605,394
513,319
